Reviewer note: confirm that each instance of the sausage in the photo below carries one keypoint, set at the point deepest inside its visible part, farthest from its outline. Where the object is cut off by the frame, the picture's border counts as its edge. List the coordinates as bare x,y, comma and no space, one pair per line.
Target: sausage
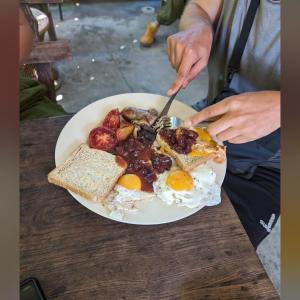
137,114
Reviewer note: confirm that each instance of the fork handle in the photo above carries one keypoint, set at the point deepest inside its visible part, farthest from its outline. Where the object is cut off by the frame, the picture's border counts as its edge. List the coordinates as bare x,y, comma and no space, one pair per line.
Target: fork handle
167,106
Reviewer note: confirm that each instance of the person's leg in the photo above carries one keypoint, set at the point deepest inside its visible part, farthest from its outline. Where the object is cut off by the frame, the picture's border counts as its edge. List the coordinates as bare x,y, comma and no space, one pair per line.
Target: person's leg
170,11
148,37
256,201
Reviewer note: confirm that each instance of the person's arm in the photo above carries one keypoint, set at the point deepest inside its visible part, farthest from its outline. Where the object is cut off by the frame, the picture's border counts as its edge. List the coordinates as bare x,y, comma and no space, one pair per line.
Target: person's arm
25,37
242,118
200,11
189,49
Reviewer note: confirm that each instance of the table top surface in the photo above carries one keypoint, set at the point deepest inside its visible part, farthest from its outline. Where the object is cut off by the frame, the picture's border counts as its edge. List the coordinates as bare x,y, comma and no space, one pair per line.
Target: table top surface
77,254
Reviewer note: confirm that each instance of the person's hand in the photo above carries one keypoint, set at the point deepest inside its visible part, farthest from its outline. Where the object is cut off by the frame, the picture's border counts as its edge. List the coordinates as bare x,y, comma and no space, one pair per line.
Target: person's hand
188,53
242,118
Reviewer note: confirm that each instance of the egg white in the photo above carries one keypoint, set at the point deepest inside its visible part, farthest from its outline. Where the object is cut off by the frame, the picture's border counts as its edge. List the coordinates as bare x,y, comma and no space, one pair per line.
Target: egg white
205,190
122,200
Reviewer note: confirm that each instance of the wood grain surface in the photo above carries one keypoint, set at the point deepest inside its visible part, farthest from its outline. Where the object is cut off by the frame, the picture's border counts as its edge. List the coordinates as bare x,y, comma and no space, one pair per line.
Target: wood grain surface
77,254
51,51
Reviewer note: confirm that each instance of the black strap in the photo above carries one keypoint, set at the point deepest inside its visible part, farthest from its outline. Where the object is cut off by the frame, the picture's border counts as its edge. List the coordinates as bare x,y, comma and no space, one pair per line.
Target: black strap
235,61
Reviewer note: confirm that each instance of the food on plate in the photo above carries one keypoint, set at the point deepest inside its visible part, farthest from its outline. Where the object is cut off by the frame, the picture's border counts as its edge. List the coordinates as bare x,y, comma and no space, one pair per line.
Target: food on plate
112,120
160,161
180,140
90,173
203,134
122,200
113,129
191,189
189,147
142,161
142,120
130,182
122,164
124,132
116,136
146,134
179,180
139,116
102,138
125,196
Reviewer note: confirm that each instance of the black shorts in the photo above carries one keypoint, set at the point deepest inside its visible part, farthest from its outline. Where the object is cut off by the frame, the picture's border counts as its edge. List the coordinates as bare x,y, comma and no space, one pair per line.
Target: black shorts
256,201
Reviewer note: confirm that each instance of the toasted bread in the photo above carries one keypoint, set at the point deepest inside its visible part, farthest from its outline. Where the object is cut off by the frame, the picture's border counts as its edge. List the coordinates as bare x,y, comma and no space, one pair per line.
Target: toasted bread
188,162
90,173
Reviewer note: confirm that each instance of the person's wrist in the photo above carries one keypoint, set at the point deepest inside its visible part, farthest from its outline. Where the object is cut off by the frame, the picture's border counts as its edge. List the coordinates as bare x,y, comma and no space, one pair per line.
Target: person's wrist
200,29
194,15
200,36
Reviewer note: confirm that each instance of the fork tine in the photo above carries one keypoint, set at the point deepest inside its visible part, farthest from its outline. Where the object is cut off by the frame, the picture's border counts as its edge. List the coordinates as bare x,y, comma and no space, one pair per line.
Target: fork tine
164,122
167,122
165,109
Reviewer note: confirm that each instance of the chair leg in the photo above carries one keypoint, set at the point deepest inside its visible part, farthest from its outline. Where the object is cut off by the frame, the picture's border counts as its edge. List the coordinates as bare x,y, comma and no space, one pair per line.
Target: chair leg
42,37
32,21
45,76
51,30
60,12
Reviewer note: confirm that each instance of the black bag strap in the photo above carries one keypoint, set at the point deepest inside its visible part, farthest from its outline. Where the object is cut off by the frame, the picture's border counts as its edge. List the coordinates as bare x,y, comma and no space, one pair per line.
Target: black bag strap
235,60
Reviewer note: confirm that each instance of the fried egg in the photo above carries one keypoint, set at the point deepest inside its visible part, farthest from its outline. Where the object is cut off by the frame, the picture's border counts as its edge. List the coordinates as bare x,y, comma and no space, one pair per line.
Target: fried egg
130,182
203,134
191,189
124,196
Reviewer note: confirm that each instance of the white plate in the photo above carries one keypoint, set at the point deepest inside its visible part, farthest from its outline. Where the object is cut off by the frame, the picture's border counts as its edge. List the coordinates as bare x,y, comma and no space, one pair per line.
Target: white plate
77,130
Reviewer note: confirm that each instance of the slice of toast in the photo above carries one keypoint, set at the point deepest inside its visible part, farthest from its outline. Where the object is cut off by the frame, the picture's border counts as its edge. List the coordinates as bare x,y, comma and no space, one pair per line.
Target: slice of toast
90,173
188,162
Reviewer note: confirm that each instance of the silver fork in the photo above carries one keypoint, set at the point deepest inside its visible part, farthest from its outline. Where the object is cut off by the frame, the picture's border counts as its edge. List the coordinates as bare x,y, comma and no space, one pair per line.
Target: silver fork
149,132
175,122
161,119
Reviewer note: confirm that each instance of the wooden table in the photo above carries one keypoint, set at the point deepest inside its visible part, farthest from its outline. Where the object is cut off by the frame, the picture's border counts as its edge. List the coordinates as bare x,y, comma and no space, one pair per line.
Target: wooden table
77,254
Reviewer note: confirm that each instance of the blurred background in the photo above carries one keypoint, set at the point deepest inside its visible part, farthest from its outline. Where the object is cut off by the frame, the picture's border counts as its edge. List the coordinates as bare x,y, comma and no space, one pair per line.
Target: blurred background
98,54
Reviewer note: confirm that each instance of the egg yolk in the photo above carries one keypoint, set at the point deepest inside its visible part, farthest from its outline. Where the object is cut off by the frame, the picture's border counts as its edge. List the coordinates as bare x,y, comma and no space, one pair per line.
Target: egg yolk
180,181
203,134
130,182
196,153
162,150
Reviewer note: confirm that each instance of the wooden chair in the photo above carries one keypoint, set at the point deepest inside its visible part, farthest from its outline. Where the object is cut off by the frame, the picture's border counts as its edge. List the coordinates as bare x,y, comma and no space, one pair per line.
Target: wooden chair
42,56
43,5
44,53
42,22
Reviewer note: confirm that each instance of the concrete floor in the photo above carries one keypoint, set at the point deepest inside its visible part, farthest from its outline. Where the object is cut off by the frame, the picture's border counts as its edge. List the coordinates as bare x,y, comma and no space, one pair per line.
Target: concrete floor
102,29
108,60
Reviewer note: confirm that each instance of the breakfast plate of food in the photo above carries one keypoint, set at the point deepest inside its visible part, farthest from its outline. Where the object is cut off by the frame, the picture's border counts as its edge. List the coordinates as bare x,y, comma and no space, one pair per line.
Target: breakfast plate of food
106,160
